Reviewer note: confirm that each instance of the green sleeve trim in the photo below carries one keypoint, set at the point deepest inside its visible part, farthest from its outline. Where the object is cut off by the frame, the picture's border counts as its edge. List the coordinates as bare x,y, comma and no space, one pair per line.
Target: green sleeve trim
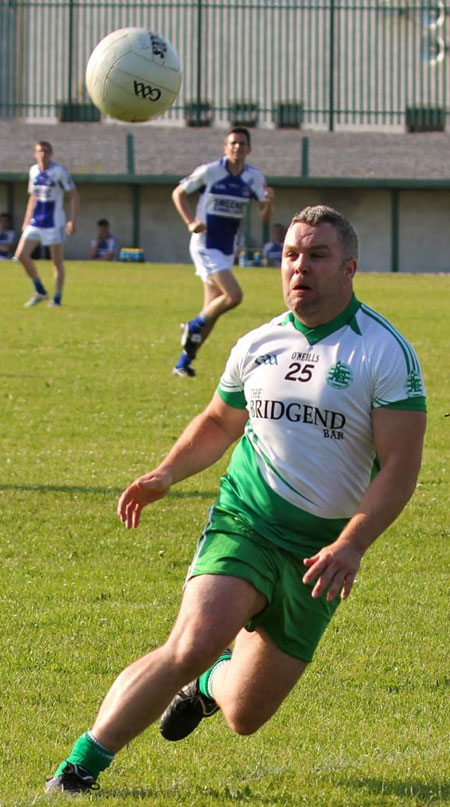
418,404
234,399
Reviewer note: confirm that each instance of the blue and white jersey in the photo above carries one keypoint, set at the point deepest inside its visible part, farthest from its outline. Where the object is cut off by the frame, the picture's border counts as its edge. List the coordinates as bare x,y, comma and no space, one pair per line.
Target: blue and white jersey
104,246
273,252
223,200
48,187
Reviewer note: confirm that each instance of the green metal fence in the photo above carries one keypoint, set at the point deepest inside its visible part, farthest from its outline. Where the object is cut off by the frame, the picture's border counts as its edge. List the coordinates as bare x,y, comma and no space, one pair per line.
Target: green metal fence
330,64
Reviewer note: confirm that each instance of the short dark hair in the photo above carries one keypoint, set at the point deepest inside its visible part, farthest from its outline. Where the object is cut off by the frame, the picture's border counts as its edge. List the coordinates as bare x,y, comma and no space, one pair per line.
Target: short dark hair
44,143
319,214
103,223
6,216
240,130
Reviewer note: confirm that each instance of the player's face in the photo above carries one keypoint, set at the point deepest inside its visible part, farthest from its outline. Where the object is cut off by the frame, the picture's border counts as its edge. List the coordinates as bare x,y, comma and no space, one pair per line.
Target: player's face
236,148
43,155
316,273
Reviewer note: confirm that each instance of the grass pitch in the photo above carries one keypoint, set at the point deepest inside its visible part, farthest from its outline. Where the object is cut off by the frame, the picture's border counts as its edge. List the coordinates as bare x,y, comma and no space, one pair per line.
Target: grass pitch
88,404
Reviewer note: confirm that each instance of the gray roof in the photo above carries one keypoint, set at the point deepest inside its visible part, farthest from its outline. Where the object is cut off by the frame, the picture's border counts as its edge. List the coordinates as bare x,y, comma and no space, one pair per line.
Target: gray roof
101,148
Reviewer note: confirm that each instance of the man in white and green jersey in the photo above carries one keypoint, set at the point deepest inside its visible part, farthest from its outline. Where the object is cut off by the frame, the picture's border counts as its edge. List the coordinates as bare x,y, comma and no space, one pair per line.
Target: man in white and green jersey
308,440
328,402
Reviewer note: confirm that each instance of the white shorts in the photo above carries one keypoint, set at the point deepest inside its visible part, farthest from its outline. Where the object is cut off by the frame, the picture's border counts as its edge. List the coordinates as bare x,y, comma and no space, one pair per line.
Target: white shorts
46,235
208,261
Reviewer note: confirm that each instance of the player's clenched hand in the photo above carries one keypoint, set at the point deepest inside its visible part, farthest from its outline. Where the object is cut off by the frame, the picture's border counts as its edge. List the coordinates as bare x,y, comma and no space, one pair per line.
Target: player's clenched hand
334,569
145,490
196,227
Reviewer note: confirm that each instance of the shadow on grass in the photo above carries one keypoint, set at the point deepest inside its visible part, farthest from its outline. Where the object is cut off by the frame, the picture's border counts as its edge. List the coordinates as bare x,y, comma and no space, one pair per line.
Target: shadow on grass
176,494
177,795
431,793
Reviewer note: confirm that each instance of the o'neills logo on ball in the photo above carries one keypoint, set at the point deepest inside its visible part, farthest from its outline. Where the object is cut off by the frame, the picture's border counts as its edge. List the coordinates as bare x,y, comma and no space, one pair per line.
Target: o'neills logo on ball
159,47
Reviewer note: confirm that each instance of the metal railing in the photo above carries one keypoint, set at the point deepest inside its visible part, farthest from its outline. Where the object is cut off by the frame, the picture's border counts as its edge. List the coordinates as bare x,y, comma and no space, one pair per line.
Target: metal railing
330,64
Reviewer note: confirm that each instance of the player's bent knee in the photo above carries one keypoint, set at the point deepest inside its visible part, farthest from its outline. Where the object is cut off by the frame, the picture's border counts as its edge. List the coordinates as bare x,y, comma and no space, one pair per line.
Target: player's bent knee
234,299
21,255
244,723
244,727
190,657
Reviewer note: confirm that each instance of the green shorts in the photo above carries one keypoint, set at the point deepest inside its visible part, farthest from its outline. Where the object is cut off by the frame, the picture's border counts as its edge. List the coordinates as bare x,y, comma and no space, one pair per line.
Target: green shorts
292,619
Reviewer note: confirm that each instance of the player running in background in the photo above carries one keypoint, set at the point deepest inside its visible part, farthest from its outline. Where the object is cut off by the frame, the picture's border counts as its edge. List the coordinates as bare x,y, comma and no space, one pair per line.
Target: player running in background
45,220
328,405
226,186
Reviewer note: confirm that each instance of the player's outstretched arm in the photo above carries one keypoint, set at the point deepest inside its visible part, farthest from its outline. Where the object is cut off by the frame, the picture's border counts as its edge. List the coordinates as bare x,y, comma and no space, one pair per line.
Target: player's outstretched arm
202,443
398,437
144,490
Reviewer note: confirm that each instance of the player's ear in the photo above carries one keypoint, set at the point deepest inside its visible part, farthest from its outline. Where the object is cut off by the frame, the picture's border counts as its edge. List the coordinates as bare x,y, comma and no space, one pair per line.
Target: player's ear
350,267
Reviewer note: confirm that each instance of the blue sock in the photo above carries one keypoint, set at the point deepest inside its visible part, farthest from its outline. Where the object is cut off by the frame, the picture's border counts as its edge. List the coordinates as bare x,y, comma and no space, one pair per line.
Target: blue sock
183,361
197,323
37,283
57,299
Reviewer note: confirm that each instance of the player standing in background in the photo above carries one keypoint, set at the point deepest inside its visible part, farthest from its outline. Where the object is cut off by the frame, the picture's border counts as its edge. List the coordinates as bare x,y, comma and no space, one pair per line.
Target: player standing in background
226,186
273,249
45,220
7,236
328,405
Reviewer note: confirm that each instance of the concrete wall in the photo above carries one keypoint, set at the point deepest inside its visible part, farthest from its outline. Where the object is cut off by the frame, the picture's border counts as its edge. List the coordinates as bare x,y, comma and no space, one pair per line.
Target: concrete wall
424,234
369,212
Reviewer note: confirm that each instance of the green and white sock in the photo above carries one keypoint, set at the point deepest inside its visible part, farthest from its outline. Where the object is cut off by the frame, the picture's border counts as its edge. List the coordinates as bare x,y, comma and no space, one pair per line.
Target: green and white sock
206,678
90,754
